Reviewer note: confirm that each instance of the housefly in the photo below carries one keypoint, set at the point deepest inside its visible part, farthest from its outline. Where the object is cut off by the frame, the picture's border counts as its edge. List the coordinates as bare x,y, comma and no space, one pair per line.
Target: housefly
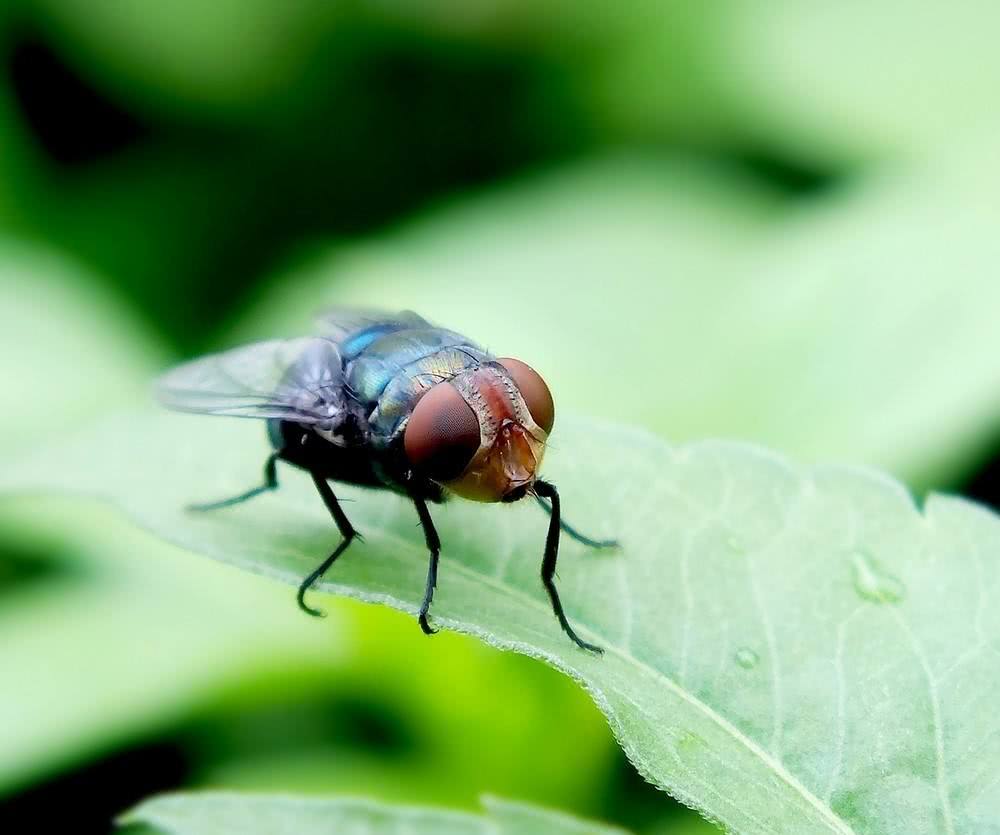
390,402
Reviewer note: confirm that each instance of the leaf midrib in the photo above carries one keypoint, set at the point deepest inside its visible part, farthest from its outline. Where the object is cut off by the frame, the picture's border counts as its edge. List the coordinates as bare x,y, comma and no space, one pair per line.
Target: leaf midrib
837,823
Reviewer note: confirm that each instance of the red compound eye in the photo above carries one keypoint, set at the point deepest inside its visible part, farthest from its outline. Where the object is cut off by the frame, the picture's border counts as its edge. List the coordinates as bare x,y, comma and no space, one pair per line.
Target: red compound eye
442,434
536,394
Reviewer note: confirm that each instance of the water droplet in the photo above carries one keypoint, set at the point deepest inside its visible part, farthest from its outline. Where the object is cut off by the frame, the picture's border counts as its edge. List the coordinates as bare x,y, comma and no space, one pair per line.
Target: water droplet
747,658
872,583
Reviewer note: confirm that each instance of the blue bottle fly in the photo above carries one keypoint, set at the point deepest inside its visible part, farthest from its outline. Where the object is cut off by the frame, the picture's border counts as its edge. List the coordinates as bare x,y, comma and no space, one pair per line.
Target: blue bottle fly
389,402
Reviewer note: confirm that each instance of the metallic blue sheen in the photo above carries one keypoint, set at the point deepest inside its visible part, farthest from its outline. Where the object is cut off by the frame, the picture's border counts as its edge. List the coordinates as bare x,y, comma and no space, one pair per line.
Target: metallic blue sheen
401,394
354,330
396,367
390,355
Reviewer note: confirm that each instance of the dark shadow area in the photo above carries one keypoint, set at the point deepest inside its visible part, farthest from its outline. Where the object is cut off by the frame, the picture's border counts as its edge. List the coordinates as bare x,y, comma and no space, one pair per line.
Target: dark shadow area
86,800
399,123
786,175
637,805
73,122
20,568
340,721
984,484
187,216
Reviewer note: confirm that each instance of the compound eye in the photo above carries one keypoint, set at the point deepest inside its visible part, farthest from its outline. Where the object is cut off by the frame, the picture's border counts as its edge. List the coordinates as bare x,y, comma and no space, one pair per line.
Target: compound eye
536,394
442,434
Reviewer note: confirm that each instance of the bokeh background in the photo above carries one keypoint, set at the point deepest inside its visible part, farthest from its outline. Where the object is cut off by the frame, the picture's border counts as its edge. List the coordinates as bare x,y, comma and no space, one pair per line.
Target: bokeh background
773,221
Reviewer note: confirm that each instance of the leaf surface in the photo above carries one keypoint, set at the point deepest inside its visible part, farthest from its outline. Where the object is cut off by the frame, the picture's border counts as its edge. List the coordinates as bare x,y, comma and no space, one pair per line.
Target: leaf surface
787,649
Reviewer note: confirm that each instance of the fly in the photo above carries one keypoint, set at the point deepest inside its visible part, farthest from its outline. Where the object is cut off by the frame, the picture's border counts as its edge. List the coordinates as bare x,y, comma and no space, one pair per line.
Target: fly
389,402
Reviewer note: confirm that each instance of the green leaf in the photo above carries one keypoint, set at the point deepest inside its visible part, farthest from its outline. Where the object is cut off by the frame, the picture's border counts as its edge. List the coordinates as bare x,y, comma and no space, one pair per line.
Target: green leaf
216,813
787,649
172,55
858,328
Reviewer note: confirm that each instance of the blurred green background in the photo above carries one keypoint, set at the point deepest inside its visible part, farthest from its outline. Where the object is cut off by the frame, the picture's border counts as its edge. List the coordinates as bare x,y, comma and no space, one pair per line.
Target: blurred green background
772,221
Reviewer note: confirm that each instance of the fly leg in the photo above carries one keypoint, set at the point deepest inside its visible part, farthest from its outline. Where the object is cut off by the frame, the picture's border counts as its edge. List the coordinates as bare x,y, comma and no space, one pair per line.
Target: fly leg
543,488
572,532
270,483
434,546
346,531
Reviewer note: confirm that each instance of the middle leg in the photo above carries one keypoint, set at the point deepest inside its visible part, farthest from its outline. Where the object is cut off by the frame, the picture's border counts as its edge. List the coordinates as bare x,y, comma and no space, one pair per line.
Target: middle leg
544,488
347,531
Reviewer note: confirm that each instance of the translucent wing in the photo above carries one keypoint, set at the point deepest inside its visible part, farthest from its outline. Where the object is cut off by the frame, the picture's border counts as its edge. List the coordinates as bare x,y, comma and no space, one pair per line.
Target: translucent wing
354,329
292,379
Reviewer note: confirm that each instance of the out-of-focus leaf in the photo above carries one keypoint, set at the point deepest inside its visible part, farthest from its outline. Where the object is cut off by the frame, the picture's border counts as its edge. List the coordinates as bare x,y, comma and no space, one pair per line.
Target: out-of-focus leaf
787,649
859,79
184,221
647,70
215,813
214,59
859,328
448,750
828,83
70,351
121,635
131,638
824,83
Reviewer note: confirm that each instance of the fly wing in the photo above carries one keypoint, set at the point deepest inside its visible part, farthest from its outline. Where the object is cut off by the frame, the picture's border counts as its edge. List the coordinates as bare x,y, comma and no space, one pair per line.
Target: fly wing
354,329
291,379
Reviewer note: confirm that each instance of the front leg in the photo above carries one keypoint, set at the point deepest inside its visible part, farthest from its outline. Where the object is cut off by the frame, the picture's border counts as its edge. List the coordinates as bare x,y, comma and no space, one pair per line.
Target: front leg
434,546
543,488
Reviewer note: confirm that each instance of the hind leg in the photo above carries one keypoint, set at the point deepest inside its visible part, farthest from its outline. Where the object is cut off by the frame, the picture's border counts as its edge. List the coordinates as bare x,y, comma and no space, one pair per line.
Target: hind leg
270,483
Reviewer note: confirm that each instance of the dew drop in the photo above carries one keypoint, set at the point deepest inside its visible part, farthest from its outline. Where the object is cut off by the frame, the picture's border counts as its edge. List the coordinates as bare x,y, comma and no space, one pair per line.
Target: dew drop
747,658
872,583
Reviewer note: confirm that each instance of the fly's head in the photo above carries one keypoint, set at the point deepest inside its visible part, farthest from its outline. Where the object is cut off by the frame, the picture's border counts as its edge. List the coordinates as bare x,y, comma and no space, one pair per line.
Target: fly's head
482,434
